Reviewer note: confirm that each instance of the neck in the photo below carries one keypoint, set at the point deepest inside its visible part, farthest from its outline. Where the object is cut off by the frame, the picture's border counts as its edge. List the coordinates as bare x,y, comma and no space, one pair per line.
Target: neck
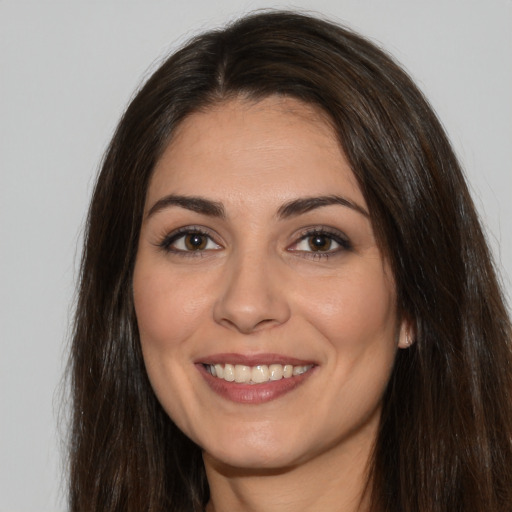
333,481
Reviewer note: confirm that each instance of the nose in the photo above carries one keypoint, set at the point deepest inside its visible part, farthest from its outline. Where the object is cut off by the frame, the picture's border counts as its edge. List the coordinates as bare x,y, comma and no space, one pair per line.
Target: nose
252,296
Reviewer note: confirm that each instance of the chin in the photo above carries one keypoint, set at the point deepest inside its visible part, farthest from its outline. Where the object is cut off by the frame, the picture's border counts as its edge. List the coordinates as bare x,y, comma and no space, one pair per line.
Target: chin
256,450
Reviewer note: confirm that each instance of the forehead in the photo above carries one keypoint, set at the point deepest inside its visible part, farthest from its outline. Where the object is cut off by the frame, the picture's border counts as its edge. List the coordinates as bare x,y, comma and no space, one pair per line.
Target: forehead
278,147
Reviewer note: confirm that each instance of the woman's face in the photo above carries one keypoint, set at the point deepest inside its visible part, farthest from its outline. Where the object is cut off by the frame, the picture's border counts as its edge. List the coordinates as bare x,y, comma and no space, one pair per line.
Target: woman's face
257,261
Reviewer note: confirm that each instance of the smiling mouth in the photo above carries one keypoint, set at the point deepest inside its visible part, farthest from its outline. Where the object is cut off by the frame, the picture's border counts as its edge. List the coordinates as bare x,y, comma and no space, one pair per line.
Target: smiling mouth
258,374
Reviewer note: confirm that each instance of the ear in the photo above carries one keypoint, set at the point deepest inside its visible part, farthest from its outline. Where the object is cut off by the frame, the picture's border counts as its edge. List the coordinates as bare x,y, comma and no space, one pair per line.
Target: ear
407,335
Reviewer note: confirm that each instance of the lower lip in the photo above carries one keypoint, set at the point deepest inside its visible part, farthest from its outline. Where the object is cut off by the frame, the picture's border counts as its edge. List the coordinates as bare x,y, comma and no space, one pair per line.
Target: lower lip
253,393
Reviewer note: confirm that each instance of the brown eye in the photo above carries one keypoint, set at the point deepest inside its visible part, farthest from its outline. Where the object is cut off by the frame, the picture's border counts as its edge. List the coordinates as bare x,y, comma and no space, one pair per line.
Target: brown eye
195,241
319,242
189,241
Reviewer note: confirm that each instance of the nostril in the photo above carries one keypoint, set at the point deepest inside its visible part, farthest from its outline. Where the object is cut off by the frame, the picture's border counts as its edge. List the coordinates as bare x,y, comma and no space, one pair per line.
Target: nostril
265,322
249,298
248,327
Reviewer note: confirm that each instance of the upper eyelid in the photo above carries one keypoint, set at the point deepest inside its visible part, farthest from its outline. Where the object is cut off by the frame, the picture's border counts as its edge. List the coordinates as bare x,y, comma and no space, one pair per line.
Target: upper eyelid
323,230
203,230
308,230
334,233
168,238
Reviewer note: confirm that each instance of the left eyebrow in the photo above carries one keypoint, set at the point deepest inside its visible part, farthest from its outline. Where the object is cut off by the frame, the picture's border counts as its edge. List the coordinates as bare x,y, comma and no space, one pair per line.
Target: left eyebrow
194,203
306,204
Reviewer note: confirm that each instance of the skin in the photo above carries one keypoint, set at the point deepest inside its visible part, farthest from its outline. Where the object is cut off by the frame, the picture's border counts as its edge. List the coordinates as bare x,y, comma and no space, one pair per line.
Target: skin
258,287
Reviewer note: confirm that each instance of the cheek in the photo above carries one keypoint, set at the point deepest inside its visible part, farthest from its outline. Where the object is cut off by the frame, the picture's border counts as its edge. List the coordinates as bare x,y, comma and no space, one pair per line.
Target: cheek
168,312
167,308
358,310
356,318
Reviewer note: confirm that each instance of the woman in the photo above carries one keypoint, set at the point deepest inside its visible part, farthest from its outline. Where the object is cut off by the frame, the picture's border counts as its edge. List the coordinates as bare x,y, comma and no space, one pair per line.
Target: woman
286,297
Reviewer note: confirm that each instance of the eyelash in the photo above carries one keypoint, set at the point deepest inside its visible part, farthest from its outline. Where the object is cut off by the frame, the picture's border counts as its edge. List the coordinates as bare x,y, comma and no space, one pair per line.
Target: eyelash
166,243
331,235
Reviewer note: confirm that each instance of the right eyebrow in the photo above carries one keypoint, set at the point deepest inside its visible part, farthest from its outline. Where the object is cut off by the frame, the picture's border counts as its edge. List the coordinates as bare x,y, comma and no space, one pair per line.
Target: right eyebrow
194,203
306,204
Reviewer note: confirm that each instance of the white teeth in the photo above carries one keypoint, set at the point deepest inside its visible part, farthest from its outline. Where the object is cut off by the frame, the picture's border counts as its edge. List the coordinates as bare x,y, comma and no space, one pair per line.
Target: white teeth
276,371
255,374
299,370
287,371
242,373
229,372
260,373
219,370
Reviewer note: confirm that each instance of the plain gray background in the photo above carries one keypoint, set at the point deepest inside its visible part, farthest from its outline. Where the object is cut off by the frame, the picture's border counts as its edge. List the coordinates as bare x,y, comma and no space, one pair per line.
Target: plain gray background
68,69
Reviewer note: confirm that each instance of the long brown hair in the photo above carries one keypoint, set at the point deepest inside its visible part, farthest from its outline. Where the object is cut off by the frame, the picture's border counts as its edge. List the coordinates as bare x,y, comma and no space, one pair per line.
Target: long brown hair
445,440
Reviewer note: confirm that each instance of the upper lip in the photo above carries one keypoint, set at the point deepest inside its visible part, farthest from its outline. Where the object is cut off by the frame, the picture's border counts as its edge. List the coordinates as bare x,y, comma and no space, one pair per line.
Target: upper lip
252,359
